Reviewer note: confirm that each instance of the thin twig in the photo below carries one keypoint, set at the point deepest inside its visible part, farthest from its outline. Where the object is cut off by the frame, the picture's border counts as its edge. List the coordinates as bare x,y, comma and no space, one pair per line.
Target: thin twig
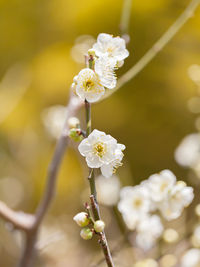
91,178
156,48
31,237
102,240
125,19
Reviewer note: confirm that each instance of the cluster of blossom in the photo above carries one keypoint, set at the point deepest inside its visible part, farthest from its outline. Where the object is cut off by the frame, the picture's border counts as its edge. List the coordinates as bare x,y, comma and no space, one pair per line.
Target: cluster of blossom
108,54
191,258
161,192
100,150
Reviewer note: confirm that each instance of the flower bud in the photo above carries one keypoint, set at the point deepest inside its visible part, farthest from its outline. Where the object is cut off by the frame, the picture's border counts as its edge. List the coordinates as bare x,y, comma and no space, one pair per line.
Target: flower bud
73,122
99,226
91,52
86,233
81,219
75,134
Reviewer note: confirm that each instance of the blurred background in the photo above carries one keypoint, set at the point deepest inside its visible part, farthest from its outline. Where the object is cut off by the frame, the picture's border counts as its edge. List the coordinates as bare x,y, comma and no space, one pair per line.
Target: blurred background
42,48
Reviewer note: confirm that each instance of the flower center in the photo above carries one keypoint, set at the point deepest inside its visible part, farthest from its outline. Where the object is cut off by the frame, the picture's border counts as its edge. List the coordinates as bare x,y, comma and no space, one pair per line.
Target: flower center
88,85
110,50
163,186
137,203
99,149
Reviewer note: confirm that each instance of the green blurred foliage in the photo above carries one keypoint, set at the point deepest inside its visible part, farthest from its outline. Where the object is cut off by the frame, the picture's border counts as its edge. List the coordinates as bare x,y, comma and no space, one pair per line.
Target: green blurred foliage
148,115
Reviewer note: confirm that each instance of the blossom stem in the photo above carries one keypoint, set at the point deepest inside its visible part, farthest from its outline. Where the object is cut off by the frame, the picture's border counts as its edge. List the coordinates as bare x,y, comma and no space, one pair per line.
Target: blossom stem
88,118
91,178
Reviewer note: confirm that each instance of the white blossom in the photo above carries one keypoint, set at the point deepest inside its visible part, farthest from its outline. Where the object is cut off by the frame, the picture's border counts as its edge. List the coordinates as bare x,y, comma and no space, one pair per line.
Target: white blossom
196,236
134,205
100,149
105,69
194,73
188,152
160,184
148,231
161,193
179,197
89,86
191,258
109,169
113,47
53,119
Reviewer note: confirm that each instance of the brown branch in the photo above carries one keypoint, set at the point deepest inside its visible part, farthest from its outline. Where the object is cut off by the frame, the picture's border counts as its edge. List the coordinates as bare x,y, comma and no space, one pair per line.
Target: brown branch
102,240
30,223
19,220
27,260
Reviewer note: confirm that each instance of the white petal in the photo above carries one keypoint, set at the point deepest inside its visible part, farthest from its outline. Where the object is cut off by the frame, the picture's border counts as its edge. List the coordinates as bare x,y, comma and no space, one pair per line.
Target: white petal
84,147
94,97
93,161
107,170
105,67
169,175
104,38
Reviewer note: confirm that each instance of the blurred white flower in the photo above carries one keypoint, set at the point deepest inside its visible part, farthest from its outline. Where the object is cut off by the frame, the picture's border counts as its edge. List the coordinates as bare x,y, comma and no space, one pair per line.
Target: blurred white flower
134,205
146,263
196,237
160,192
191,258
105,69
108,190
81,46
188,152
113,47
194,73
194,104
179,197
100,149
53,119
160,184
89,86
170,235
148,231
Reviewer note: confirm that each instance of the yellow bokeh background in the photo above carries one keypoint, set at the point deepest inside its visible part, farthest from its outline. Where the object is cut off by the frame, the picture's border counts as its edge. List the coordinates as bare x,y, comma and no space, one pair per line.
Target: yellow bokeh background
149,114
